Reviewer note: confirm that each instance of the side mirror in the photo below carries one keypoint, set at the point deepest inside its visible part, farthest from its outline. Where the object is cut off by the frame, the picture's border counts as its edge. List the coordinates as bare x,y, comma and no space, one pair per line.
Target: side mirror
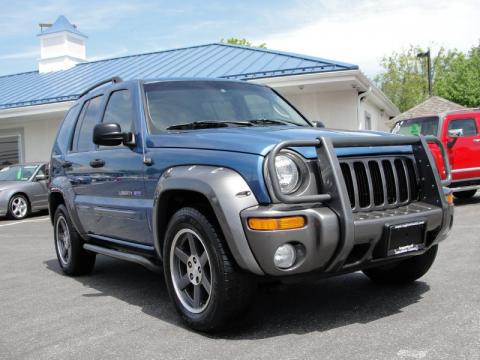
108,134
455,133
41,177
319,124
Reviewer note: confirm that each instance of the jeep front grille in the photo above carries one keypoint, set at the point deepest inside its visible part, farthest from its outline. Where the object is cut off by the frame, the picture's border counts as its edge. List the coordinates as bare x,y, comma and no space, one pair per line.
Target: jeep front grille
380,183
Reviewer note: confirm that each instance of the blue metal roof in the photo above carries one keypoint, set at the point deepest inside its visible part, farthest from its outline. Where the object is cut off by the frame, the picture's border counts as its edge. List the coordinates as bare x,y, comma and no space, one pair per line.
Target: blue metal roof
216,60
61,24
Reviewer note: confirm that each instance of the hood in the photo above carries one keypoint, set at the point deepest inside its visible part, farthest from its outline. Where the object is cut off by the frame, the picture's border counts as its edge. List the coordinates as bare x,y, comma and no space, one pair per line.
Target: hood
260,140
10,184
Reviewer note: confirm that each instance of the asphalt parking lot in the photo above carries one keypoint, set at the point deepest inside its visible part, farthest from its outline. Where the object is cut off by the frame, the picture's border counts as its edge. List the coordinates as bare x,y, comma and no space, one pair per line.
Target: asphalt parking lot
122,310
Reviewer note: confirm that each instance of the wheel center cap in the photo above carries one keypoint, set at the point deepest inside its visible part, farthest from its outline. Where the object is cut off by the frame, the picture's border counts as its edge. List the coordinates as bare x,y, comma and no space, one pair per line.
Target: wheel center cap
194,270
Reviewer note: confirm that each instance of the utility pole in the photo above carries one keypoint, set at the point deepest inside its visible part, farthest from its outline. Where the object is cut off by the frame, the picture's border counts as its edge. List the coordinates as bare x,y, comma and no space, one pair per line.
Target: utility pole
429,69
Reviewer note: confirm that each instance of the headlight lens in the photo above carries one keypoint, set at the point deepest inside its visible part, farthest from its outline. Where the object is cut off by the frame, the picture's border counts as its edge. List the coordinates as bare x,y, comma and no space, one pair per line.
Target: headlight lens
288,173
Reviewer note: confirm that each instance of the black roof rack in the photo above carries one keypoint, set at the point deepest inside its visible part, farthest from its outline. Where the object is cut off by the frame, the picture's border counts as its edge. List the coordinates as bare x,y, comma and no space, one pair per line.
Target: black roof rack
114,80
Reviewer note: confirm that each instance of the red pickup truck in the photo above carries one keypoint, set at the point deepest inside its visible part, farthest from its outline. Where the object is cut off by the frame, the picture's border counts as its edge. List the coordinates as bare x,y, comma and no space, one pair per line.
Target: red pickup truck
459,131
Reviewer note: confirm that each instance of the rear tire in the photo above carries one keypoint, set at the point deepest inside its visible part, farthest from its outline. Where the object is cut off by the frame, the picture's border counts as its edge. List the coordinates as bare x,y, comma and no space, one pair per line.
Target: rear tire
405,271
203,282
72,257
464,194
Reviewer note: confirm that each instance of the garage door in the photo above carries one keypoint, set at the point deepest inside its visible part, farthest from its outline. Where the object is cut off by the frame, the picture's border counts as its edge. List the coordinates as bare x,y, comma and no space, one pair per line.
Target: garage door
9,150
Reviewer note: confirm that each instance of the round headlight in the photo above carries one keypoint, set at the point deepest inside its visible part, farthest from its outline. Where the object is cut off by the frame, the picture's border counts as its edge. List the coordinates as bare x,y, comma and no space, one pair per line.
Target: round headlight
288,173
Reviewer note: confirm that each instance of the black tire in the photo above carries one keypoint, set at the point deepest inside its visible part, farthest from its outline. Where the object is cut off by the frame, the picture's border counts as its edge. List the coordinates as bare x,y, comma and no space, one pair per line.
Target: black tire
465,194
405,271
76,260
230,290
14,211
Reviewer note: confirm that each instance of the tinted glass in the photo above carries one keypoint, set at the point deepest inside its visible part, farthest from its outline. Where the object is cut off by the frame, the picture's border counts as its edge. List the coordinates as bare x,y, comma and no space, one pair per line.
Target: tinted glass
467,126
65,133
120,110
184,102
419,126
84,131
17,172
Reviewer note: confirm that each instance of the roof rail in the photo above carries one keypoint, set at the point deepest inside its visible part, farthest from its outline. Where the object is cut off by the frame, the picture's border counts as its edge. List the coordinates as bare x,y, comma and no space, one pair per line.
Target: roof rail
114,80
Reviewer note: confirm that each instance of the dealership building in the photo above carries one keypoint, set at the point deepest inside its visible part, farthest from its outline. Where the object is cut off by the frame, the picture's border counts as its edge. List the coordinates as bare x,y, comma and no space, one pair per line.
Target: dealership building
32,104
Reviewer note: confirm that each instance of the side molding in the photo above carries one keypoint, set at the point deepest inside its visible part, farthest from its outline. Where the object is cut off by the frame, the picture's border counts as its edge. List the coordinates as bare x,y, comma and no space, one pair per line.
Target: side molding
228,194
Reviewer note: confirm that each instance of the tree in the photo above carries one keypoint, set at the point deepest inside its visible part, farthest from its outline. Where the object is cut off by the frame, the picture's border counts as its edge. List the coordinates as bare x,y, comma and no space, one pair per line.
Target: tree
456,77
242,42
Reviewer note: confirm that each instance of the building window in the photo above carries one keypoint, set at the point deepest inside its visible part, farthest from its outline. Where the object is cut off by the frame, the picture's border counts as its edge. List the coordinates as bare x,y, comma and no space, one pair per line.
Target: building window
10,149
368,121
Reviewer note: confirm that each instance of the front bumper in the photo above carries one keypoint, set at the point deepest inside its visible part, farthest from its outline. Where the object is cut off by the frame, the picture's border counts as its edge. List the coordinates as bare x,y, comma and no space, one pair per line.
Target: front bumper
339,236
4,199
320,239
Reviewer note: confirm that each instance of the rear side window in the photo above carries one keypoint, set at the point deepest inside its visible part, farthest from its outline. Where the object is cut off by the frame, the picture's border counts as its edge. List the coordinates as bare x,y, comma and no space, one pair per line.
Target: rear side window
467,126
83,138
120,110
65,133
417,126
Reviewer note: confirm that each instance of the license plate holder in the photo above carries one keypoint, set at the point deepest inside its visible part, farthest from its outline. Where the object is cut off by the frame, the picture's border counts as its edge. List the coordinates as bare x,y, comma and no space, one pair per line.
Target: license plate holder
406,237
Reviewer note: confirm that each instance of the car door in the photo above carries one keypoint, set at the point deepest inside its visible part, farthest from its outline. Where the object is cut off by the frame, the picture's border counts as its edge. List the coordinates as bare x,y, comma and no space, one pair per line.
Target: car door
465,152
77,161
39,188
117,184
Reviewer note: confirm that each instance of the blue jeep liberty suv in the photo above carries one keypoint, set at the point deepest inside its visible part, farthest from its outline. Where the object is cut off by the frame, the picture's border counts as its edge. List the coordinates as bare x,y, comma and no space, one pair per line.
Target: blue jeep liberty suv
222,184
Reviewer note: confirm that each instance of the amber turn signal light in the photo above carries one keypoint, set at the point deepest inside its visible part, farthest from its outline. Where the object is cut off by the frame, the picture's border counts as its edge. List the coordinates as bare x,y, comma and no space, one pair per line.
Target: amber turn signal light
282,223
449,198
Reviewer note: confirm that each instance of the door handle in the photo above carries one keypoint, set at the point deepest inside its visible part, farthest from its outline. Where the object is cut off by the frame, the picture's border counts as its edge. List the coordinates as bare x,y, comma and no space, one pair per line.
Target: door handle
476,140
97,163
66,164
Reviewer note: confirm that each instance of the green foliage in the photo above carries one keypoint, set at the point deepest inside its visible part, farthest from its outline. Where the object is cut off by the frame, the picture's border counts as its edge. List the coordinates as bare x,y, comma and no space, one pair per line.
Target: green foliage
456,77
243,42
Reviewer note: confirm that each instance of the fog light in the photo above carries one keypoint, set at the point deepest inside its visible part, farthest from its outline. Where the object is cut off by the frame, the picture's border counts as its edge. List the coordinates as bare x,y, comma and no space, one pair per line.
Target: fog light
284,256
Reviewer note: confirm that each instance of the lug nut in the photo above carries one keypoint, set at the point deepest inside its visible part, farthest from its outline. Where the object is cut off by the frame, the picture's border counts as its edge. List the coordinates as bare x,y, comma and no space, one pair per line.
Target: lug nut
191,276
194,260
189,264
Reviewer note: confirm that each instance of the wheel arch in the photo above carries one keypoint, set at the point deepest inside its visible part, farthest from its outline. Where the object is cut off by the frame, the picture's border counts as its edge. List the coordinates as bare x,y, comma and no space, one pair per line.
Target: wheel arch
221,191
55,198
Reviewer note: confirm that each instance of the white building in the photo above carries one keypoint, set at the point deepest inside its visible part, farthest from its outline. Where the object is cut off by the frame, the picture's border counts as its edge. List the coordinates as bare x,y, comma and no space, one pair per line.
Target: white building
32,104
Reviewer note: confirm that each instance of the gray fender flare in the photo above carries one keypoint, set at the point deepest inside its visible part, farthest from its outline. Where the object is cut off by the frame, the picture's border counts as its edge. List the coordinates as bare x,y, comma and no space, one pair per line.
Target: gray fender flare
62,186
228,194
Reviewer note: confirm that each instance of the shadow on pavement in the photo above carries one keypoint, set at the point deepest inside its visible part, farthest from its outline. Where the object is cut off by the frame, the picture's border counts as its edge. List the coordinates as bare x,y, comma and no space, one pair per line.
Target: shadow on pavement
277,310
472,201
31,216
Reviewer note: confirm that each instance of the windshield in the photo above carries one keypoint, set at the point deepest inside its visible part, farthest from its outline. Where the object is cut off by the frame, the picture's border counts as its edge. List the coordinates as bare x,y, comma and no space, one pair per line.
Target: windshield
17,172
175,103
418,126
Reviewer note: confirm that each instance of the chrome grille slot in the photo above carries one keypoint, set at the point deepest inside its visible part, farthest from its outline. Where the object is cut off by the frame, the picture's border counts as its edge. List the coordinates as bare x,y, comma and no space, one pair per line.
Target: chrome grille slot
380,183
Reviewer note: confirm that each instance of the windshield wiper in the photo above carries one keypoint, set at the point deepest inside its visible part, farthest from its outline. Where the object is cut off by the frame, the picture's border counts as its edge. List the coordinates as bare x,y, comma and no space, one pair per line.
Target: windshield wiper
270,122
207,124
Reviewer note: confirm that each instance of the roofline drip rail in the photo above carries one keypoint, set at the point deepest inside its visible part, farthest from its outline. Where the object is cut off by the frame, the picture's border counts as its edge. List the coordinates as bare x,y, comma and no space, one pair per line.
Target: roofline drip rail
115,80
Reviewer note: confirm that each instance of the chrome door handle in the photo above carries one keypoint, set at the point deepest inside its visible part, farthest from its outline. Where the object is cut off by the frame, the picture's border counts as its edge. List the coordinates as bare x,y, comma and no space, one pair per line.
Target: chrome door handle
476,140
97,163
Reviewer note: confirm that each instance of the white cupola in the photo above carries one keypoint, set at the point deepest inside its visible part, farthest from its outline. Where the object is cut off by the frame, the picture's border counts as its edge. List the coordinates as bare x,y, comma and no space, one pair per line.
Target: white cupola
62,46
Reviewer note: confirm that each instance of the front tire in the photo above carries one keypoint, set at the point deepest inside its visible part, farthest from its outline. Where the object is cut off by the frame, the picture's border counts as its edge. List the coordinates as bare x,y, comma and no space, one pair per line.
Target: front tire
203,282
18,207
405,271
72,257
465,194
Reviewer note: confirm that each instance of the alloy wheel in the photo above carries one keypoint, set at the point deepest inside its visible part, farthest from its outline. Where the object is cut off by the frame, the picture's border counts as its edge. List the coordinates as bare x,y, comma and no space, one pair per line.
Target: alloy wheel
19,207
191,271
64,244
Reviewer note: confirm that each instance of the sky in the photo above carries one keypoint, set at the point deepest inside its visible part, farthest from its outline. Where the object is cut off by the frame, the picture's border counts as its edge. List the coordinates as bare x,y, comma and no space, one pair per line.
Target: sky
357,31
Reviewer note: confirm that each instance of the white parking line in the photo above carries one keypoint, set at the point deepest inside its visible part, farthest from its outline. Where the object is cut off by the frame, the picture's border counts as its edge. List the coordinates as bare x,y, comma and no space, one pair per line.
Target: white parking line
26,221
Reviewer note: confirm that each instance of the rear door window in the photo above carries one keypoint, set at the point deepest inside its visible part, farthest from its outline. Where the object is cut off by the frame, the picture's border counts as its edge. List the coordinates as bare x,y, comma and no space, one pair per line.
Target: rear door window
83,138
466,126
